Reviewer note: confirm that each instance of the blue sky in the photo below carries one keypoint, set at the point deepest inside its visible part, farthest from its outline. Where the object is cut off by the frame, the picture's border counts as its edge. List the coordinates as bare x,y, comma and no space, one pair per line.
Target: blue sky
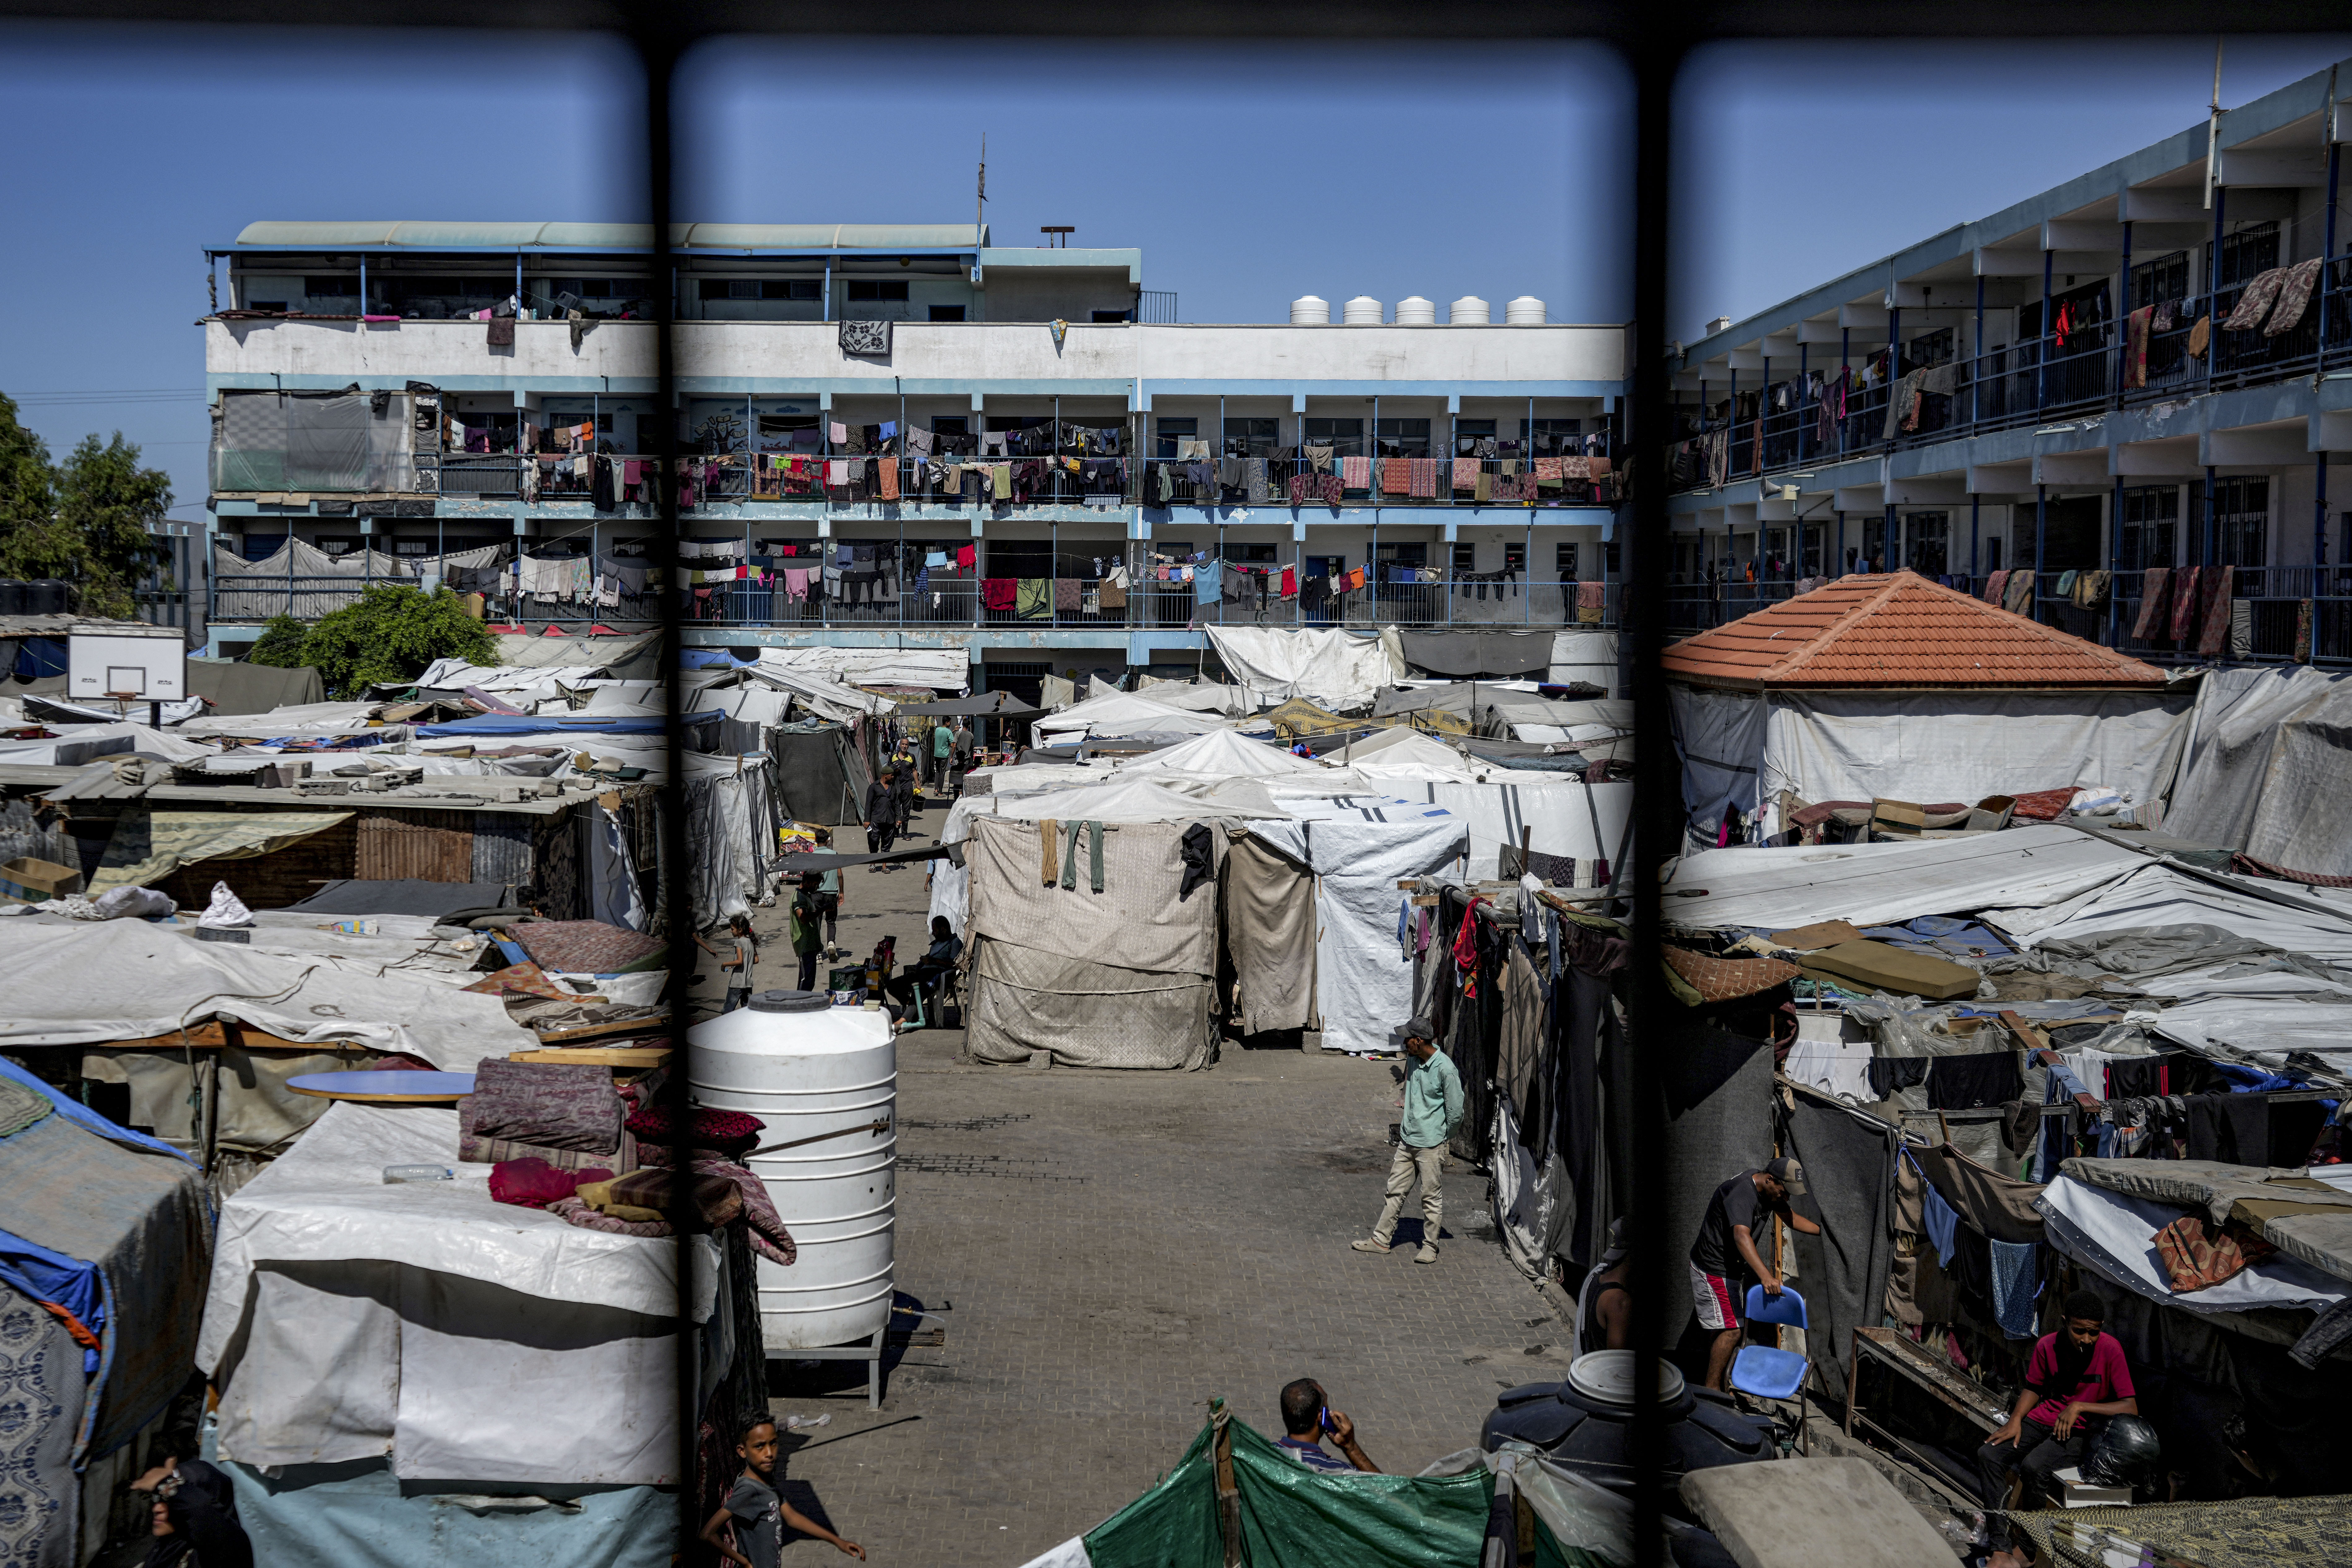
1247,174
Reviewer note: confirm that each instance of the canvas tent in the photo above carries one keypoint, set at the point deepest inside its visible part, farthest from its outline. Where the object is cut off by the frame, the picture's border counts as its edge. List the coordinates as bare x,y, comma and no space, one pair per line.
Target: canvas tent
1122,714
1336,669
110,1231
1895,686
233,686
2267,772
941,669
378,1346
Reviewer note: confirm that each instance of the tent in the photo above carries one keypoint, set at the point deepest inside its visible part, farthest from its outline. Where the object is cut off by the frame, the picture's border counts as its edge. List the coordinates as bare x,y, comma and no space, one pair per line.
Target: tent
378,1346
1359,849
104,1232
1123,714
1465,655
1220,751
941,669
1896,686
993,705
1336,669
1565,821
2266,770
1589,658
233,686
821,772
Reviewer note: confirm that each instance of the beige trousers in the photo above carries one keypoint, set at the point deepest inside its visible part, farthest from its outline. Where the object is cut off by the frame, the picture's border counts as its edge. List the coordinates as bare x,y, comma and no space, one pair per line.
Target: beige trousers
1408,1162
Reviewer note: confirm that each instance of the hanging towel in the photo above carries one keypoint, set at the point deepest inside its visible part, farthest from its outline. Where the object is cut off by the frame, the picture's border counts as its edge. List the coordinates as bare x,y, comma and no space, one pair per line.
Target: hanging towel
2016,1282
2066,584
998,592
2214,594
2150,621
1209,583
1356,473
2184,602
1289,583
1066,593
965,556
886,472
1033,598
1049,842
1941,1221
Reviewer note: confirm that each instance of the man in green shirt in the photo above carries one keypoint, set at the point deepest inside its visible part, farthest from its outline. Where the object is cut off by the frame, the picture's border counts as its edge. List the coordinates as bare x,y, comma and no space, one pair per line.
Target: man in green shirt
1433,1108
942,747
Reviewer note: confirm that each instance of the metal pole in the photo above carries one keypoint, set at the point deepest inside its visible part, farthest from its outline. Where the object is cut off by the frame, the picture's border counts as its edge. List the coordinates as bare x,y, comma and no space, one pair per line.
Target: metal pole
1845,380
2318,519
2335,154
827,305
2042,355
2041,546
1976,373
2115,548
2123,338
2206,554
1894,357
2213,288
1804,379
1975,511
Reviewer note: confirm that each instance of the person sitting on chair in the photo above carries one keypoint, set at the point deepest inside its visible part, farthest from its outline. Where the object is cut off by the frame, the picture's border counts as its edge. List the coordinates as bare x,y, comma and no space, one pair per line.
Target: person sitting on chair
938,959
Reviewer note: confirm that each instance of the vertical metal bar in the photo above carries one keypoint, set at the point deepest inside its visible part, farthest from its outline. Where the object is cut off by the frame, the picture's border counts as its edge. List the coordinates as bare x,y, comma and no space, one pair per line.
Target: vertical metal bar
2328,265
827,304
2213,287
2042,355
1976,373
2114,563
2123,334
1894,359
2041,546
1846,382
2209,541
1804,380
2318,520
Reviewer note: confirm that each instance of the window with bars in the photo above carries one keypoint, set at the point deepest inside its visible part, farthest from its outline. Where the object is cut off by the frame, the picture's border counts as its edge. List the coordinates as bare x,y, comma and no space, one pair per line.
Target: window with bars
1563,561
2151,518
1927,542
2241,519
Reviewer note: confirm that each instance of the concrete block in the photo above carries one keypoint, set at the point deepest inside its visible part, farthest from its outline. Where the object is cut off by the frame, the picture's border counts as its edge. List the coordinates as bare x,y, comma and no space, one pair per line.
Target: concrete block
1811,1513
1040,1059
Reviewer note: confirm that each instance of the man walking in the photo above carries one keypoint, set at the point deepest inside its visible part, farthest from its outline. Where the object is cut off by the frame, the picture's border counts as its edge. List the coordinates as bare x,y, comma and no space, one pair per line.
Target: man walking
960,751
1432,1107
881,813
942,752
902,789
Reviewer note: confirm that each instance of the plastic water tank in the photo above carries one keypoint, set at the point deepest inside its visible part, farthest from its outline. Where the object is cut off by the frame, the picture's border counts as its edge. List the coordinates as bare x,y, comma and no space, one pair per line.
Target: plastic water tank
1526,310
1469,311
1310,310
1363,310
1413,310
11,596
806,1066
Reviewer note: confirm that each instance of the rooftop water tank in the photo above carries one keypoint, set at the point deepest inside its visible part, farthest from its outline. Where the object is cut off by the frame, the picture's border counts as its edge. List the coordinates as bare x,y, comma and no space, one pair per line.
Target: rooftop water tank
1469,311
1363,310
1413,310
1310,310
1586,1424
1526,310
11,596
807,1068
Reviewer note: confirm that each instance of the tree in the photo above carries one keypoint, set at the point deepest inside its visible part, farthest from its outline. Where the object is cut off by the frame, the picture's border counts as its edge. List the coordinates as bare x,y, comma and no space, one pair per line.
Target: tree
87,520
27,488
392,634
279,645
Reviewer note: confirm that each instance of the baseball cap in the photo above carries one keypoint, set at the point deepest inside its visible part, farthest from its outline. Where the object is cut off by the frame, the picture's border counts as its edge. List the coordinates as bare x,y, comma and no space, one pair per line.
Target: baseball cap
1788,1174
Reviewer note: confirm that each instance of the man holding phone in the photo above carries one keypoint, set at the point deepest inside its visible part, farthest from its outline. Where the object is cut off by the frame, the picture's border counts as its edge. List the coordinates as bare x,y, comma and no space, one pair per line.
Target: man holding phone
1306,1416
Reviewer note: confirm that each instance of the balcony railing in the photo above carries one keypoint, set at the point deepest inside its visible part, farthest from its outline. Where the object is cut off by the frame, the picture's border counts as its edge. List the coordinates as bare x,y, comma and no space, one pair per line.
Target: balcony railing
2089,368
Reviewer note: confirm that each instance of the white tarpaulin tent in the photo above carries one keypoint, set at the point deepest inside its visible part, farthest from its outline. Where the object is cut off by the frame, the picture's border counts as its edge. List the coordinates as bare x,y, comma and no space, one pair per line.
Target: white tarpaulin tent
1359,849
941,669
2270,769
2151,893
1221,752
349,1318
94,981
2110,1232
1744,748
1880,884
1122,713
1589,657
1338,670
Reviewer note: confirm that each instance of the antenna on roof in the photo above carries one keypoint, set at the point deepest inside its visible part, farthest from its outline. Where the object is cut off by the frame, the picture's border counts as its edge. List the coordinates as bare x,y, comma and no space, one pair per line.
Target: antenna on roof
2213,131
979,208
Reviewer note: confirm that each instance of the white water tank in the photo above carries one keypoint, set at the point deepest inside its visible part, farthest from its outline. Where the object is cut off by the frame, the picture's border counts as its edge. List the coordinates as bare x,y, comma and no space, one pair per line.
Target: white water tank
1310,310
1363,310
1469,311
1413,310
806,1066
1526,310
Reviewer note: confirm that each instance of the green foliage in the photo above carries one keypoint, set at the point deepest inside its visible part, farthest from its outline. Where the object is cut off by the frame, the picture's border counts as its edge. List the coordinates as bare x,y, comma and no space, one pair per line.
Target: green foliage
392,634
279,645
86,520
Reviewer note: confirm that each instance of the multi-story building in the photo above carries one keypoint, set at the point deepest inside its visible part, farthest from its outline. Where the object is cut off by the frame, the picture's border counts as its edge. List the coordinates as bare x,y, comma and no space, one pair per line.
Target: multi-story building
965,443
2149,365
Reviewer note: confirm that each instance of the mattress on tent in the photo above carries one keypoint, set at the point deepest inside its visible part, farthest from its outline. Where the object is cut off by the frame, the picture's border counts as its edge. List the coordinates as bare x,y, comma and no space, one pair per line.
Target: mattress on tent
1088,1014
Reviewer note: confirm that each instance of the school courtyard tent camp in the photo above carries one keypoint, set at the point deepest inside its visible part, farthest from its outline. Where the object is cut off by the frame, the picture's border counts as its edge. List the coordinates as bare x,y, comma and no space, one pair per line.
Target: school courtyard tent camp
105,1241
1892,687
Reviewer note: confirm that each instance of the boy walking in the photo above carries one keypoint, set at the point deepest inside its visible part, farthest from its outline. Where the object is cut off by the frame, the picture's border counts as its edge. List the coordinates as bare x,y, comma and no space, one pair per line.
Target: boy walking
759,1516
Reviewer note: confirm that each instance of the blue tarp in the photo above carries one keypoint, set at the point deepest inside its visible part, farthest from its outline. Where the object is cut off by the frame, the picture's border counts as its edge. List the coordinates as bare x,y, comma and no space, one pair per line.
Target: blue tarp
358,1515
39,658
524,724
45,1276
1943,937
710,659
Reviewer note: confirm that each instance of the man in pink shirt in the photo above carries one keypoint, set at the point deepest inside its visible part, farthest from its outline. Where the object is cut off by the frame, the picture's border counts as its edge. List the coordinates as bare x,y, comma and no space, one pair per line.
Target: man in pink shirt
2075,1377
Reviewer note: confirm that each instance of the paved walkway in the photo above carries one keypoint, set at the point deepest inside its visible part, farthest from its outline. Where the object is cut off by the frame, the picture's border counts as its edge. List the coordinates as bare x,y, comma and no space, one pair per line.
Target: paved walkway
1108,1249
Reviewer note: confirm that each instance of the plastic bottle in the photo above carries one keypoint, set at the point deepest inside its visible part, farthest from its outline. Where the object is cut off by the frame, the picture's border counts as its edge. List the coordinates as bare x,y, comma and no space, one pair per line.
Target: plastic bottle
418,1173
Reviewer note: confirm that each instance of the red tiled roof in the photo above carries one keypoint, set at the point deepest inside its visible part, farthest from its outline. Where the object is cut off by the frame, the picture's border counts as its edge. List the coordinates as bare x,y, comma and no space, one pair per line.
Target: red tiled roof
1897,629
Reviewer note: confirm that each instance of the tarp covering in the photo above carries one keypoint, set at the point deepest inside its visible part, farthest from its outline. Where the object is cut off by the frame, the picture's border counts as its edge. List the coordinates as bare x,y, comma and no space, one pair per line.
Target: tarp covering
1123,800
1570,818
821,775
1887,884
1469,653
1363,975
1270,931
941,669
1220,751
2294,1213
403,896
1336,669
47,1384
233,686
2112,1234
2146,893
85,742
2267,770
94,982
1137,922
1720,735
1587,656
282,441
150,845
1123,712
348,1317
139,1214
359,1516
1848,1160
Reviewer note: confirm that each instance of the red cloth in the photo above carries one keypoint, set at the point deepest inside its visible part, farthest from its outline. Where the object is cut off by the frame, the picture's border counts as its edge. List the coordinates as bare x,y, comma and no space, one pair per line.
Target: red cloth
1289,583
2043,805
532,1183
965,556
1466,948
2198,1261
2184,602
997,592
706,1129
2213,599
2105,1380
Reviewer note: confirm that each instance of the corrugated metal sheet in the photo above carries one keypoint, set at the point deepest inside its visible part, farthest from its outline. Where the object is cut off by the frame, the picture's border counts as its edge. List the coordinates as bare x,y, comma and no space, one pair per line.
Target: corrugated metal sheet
503,851
429,846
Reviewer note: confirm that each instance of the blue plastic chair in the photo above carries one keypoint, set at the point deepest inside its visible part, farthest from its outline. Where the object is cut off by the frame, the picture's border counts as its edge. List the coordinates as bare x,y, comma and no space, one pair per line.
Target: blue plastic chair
1767,1373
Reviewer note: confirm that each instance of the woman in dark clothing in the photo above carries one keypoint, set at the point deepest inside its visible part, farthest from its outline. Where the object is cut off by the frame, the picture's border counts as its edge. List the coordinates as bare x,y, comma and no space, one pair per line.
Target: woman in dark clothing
194,1519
